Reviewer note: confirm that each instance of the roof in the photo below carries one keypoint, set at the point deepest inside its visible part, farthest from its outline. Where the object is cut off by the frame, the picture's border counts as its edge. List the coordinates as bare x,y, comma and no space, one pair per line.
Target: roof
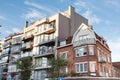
116,64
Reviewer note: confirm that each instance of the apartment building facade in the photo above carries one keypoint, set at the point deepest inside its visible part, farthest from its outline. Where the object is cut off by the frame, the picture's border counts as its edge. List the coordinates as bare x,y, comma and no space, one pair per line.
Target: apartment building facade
65,34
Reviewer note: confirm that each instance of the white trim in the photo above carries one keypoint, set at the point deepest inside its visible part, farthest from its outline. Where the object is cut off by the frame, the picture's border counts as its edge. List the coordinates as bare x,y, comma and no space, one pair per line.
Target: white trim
82,66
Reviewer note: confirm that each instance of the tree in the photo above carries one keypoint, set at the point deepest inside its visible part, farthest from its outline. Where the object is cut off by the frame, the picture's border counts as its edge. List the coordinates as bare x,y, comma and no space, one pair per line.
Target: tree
25,68
56,65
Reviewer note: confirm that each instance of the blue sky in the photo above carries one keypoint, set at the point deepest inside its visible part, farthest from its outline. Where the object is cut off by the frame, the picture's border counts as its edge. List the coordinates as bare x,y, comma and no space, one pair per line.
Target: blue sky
104,15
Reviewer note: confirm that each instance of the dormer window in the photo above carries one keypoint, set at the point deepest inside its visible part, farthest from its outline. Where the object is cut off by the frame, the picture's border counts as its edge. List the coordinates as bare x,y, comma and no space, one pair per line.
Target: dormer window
82,37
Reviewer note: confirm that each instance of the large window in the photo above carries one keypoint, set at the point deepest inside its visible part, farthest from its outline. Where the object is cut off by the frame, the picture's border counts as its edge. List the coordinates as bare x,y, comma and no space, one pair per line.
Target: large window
15,48
16,40
91,50
44,50
64,54
12,68
81,51
38,62
81,67
40,75
92,66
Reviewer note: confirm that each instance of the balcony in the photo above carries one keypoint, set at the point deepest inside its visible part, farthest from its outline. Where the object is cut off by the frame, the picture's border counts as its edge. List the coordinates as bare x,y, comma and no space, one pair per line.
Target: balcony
26,54
27,46
49,30
84,42
47,53
44,63
6,45
14,58
48,42
30,37
16,42
16,51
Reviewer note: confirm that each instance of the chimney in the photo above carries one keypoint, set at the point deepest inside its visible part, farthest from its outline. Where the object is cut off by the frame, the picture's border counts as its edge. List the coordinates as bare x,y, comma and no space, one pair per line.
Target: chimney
90,27
71,10
26,24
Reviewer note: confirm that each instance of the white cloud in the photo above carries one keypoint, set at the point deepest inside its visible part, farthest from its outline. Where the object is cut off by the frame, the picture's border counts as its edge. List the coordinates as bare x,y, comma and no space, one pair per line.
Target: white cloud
91,17
80,5
2,18
86,10
115,48
13,30
38,6
33,14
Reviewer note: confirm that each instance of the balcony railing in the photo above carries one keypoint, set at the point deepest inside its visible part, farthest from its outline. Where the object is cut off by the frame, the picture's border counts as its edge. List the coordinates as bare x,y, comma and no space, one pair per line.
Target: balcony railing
47,53
27,46
47,65
6,44
28,37
48,30
27,54
16,51
84,42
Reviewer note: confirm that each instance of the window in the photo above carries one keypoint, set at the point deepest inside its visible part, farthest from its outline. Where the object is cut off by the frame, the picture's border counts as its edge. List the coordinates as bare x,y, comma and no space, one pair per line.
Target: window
12,68
84,37
38,62
64,70
62,43
16,40
81,67
91,50
15,48
81,51
40,75
64,54
92,66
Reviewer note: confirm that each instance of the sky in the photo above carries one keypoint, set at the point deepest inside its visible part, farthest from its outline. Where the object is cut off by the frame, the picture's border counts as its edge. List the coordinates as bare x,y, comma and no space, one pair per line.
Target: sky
104,15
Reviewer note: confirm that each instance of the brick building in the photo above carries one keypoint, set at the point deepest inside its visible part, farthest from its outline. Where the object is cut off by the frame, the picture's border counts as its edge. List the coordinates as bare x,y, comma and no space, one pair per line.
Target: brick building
65,34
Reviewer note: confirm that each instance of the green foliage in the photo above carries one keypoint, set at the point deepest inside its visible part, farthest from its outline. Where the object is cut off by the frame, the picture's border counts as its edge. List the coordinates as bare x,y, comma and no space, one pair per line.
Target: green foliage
56,65
25,66
73,74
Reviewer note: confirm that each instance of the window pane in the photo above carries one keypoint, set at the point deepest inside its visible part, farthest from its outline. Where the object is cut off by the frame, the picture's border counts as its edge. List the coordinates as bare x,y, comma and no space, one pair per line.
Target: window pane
77,68
91,50
81,67
85,66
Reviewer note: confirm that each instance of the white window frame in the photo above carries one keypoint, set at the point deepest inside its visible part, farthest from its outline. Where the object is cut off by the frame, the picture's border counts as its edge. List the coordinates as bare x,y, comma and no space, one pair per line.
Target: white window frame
66,54
83,67
80,54
91,51
92,65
